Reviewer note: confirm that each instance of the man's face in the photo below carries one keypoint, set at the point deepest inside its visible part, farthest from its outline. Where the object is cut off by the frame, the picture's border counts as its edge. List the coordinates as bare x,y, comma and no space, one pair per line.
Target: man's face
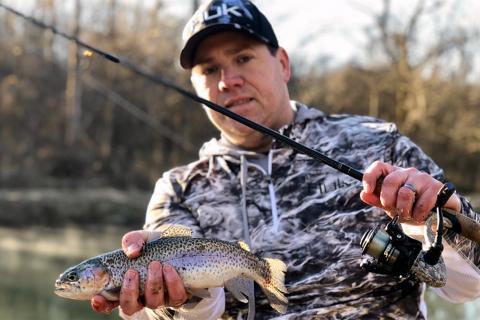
239,73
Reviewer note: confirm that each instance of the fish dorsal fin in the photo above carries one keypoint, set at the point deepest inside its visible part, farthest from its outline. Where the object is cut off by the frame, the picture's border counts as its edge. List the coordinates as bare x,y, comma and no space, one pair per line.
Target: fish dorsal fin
243,245
176,230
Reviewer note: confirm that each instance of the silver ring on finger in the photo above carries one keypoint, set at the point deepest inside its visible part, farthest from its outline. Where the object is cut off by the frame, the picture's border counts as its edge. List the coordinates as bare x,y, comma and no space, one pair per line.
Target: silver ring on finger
410,187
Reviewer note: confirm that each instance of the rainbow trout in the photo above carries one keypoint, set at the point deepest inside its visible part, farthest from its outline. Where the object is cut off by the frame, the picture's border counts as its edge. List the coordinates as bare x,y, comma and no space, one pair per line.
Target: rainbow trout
201,263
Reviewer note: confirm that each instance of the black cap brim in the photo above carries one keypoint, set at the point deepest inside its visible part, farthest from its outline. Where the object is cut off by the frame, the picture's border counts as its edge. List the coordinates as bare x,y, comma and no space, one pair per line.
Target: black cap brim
188,53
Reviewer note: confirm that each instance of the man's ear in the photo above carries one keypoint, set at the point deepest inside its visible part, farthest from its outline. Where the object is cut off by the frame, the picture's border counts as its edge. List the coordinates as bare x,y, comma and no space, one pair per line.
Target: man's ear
284,60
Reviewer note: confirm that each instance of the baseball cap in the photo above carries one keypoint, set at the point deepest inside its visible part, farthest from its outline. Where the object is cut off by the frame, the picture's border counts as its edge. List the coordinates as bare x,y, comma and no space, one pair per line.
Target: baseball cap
224,15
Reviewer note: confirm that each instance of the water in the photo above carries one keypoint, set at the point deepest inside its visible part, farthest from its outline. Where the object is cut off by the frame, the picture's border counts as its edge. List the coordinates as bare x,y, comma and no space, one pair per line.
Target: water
31,260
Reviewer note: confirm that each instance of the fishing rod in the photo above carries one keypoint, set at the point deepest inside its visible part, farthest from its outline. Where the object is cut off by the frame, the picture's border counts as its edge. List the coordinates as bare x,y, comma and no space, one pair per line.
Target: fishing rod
170,84
381,240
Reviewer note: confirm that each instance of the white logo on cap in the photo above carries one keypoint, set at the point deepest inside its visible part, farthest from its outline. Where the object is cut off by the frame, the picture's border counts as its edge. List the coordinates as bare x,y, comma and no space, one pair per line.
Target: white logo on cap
222,10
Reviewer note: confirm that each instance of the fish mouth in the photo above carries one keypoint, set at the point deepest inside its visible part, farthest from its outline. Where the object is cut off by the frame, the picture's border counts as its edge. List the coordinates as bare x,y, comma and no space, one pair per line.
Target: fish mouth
62,292
69,294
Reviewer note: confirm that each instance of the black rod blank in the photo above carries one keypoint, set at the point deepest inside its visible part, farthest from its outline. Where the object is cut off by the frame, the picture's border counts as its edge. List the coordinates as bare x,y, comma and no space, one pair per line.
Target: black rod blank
170,84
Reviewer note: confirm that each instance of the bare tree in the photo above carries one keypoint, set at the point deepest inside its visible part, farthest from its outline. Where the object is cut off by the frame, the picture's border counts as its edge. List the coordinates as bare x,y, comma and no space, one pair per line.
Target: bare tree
195,5
73,88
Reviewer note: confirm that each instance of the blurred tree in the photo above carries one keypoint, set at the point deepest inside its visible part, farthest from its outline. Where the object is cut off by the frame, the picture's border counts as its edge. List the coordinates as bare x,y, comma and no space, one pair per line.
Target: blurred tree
73,93
130,130
405,81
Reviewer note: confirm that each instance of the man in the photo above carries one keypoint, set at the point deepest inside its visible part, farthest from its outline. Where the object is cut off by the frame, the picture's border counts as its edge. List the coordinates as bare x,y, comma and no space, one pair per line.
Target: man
284,204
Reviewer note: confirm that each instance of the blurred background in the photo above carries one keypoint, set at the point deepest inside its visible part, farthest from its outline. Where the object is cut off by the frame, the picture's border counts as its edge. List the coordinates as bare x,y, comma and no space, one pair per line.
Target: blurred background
82,140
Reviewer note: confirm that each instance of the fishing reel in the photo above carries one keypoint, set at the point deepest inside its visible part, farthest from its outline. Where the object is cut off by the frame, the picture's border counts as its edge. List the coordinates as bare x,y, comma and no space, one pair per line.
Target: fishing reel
392,252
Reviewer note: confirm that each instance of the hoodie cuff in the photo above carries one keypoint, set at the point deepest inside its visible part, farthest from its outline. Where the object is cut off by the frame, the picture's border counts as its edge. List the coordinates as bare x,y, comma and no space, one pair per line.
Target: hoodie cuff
207,309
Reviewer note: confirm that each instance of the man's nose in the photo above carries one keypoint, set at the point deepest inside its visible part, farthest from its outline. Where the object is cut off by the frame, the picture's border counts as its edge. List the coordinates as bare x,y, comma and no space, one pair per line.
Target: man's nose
230,78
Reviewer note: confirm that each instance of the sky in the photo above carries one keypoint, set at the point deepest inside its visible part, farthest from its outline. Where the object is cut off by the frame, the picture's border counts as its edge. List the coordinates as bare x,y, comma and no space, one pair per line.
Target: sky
338,27
314,29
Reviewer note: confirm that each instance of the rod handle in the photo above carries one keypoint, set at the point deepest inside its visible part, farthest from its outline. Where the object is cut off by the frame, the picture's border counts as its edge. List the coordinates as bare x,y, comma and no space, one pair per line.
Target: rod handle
462,225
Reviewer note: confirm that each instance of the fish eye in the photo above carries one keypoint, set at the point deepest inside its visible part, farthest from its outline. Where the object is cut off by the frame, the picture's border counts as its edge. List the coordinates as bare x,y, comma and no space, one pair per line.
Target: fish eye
72,276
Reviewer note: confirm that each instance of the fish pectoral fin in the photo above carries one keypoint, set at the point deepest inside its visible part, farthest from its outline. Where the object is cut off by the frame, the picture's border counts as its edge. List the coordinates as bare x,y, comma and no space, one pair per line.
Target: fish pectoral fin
241,288
176,230
201,293
111,294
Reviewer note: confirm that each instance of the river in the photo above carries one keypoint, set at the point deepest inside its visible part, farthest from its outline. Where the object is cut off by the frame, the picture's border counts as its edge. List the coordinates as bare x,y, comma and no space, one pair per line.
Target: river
30,262
32,258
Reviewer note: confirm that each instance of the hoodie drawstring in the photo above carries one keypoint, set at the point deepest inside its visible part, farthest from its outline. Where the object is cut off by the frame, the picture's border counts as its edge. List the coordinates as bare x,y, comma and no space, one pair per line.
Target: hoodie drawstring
273,199
246,232
243,183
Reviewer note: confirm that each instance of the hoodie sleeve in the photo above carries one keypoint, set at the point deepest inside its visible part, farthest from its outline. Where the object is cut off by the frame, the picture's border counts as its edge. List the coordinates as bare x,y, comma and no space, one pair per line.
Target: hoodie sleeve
207,309
165,206
461,255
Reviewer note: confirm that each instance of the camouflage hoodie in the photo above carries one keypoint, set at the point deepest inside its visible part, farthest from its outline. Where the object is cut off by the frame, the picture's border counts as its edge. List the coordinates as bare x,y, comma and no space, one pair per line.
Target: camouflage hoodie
303,212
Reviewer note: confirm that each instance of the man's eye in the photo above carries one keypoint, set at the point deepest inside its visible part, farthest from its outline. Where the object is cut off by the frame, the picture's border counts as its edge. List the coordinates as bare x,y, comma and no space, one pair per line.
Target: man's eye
209,70
244,59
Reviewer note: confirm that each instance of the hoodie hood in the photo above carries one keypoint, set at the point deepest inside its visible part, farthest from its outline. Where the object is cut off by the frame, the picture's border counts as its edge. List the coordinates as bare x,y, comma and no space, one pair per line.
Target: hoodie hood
221,146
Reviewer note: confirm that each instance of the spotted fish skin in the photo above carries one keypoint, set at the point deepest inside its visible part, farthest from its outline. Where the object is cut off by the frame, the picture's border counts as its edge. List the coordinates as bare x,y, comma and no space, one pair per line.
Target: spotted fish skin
201,263
191,257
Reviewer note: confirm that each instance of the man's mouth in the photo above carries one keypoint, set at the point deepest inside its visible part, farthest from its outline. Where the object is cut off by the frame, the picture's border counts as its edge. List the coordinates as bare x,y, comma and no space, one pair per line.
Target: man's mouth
236,102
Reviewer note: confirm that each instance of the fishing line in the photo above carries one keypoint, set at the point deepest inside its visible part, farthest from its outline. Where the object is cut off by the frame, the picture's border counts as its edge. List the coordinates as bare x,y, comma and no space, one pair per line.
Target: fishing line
462,224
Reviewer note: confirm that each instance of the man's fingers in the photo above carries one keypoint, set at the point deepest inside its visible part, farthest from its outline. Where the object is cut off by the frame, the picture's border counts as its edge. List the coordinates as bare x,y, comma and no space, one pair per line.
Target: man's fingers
424,204
154,294
177,294
392,185
408,193
129,294
133,241
374,173
102,305
370,198
405,200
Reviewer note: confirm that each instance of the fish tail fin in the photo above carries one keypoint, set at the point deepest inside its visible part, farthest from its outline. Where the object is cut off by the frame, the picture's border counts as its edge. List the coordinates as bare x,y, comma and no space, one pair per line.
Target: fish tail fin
273,285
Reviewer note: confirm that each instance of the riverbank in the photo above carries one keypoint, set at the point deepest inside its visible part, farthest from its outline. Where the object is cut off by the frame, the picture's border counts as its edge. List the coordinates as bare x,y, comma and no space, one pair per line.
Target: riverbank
72,207
81,207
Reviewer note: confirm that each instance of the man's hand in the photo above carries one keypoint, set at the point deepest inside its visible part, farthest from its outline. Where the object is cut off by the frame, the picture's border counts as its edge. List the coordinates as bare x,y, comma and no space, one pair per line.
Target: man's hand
163,286
408,193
